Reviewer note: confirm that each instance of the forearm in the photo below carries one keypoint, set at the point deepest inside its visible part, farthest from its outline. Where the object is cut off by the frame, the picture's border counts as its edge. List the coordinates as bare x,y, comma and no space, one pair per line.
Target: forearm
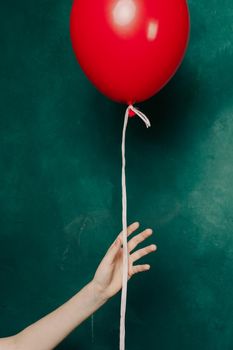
48,332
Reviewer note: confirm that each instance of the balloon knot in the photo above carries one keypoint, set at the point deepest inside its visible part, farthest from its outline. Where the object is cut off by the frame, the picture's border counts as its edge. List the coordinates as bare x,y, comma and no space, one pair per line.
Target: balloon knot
131,113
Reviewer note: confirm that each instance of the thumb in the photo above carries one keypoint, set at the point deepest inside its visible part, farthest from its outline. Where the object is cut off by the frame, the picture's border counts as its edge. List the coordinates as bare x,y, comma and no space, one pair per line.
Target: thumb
113,250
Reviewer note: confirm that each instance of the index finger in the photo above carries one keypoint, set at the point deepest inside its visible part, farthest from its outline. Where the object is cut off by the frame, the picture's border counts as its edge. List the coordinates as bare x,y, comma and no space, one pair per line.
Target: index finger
130,229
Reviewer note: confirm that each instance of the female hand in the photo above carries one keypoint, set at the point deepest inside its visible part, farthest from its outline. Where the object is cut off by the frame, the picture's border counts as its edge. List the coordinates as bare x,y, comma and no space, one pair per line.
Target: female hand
108,277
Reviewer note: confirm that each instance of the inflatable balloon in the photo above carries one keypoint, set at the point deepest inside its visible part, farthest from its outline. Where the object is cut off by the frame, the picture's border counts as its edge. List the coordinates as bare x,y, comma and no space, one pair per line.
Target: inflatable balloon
129,49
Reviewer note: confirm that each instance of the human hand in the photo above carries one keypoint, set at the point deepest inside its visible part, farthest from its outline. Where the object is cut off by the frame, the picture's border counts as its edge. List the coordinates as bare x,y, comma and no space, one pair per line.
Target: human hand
49,331
107,280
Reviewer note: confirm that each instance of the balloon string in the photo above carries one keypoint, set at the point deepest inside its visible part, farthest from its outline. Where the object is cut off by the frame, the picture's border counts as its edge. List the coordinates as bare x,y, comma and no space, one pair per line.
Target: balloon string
124,222
141,115
125,247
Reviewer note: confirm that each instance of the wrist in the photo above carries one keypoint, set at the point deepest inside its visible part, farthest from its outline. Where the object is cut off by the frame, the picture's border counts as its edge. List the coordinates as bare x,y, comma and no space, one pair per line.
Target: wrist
98,292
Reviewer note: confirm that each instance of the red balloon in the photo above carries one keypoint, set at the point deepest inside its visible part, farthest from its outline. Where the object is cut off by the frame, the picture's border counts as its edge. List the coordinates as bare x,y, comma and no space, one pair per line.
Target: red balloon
129,49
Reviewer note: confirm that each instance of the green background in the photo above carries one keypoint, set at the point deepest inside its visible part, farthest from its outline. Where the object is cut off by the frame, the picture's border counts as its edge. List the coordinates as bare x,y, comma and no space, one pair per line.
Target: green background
60,190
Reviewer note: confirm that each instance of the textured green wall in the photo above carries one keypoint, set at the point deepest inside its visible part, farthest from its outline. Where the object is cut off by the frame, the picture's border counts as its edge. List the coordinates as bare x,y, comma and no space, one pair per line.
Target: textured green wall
60,190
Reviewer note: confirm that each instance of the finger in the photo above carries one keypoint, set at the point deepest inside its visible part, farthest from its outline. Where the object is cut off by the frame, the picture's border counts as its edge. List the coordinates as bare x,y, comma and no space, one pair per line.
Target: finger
140,268
142,252
138,239
113,250
130,229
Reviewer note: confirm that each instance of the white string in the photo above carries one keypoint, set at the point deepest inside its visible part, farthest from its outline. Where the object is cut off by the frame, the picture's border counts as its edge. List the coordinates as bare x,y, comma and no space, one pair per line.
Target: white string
125,247
124,223
141,115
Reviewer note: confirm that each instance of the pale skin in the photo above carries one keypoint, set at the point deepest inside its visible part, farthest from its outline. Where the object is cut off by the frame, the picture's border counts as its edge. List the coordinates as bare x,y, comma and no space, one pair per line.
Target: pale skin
49,331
